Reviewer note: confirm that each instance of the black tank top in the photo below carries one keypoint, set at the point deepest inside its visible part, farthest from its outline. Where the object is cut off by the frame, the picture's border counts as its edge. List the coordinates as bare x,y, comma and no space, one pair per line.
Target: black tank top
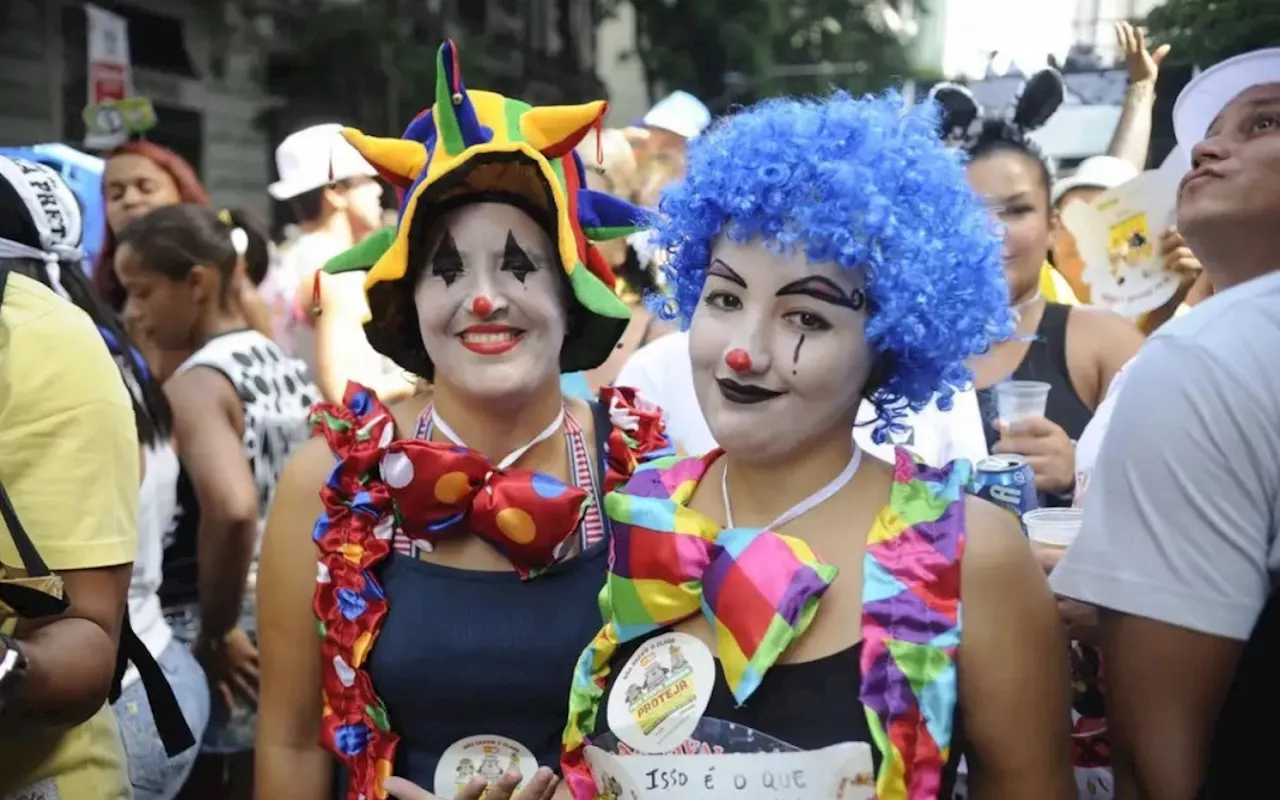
809,705
1046,360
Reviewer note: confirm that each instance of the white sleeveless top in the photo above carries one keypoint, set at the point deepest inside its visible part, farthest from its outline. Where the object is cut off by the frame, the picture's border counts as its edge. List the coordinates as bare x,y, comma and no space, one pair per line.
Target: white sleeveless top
157,503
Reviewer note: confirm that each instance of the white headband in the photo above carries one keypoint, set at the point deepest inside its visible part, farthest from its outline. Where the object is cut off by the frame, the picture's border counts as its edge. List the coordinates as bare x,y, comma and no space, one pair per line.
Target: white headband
52,259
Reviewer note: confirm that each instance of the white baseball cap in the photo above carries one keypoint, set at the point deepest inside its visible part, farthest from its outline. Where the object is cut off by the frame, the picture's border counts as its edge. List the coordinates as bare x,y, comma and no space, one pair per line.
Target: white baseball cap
315,157
681,113
1098,172
1204,98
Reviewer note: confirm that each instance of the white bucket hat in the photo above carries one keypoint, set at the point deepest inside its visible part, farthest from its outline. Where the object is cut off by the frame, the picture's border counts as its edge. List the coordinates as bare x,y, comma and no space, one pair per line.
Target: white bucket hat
1202,100
1098,172
681,113
315,157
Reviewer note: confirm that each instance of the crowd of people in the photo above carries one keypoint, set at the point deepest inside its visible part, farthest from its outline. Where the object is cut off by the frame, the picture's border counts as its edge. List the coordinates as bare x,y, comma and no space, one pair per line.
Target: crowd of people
643,462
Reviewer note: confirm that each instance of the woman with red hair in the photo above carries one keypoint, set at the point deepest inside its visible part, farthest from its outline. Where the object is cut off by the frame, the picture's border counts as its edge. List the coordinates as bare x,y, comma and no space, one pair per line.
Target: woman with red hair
139,177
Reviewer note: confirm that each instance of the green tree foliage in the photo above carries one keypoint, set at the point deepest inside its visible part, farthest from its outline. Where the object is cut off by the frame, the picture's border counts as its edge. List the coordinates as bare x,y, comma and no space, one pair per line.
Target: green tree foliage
736,51
370,63
1203,32
373,62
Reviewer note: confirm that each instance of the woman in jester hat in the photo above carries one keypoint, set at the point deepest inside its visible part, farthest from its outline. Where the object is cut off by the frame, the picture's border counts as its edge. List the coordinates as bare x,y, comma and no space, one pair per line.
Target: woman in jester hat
460,540
822,251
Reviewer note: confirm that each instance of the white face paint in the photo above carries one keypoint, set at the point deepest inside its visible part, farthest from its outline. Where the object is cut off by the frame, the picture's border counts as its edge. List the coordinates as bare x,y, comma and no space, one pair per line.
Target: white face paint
491,302
779,350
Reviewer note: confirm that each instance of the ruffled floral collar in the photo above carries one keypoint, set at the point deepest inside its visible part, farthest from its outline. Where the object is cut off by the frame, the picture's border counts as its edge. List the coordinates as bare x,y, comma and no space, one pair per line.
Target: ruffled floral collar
381,484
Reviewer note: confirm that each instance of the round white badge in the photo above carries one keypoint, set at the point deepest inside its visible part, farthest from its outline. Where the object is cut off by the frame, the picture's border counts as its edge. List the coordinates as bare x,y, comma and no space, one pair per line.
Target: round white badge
488,757
661,693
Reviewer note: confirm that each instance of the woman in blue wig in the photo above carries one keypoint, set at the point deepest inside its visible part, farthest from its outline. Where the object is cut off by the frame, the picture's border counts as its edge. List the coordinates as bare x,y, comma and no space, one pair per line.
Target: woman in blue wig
459,540
855,626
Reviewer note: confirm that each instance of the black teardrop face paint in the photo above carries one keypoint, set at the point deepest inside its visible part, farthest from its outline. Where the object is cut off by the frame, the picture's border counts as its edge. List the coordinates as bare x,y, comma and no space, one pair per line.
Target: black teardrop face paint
516,261
795,357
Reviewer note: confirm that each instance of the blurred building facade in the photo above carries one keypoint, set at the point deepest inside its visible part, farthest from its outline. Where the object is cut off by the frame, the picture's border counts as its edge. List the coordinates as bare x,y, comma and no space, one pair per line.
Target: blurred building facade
205,65
201,75
619,69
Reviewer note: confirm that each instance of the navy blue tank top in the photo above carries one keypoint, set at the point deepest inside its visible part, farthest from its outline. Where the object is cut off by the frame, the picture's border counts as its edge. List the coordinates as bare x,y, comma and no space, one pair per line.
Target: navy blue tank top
468,653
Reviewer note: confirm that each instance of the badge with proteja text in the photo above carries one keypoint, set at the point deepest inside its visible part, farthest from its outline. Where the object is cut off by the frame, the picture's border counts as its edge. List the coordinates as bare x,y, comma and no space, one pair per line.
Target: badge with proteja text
661,693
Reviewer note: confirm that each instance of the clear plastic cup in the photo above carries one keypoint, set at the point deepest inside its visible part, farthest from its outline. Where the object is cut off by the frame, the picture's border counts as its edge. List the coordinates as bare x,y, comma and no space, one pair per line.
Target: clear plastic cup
1053,527
1019,400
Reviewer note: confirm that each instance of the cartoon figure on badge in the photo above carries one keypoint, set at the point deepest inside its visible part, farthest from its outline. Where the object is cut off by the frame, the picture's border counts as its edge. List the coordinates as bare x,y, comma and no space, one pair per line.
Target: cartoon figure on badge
678,662
655,675
634,691
466,771
612,789
490,769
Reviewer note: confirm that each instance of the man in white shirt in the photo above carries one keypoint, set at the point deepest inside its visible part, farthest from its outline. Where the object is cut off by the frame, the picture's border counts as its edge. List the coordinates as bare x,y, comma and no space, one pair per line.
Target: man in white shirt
662,373
1180,544
336,197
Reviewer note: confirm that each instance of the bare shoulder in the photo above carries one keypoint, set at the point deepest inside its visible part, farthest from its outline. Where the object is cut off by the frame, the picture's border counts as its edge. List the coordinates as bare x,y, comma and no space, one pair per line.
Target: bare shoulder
1105,324
199,384
996,551
339,292
305,471
203,393
999,565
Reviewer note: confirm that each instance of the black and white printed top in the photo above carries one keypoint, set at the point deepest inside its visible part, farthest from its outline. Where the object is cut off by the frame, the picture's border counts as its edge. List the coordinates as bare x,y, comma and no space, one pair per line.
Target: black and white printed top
277,393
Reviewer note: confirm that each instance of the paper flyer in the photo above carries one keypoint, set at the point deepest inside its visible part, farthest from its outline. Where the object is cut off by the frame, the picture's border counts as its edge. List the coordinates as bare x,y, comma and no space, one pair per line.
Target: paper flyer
1118,238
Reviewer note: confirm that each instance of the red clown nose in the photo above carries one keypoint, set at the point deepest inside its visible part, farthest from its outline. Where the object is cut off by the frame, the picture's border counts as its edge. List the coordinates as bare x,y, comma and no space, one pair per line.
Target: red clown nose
482,307
738,360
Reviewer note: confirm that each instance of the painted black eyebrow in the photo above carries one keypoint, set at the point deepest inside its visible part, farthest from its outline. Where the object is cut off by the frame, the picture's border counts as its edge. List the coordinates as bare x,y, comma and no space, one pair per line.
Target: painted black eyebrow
725,271
824,289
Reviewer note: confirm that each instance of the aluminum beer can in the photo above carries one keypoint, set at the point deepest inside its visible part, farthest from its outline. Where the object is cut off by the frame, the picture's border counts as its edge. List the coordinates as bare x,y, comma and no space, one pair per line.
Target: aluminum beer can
1007,481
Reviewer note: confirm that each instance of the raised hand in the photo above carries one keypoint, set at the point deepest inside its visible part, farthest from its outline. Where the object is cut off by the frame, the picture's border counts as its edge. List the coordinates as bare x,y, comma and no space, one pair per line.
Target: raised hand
1142,65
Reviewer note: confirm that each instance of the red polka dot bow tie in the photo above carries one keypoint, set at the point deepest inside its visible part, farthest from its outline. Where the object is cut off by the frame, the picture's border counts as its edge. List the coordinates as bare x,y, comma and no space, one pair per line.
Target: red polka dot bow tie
444,490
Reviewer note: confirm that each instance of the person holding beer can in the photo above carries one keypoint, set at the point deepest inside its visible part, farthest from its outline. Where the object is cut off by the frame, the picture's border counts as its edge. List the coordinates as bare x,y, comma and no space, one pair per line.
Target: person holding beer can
1070,352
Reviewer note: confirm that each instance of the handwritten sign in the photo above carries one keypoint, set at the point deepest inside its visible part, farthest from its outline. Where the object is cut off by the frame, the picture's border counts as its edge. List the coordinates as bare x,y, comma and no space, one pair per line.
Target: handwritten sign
840,772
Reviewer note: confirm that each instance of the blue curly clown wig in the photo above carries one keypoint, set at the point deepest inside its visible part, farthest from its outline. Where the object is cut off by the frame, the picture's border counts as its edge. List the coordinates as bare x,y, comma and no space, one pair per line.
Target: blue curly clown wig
864,183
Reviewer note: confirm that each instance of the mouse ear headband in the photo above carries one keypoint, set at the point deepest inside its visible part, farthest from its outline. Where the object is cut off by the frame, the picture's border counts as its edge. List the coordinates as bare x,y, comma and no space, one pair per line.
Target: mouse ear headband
964,120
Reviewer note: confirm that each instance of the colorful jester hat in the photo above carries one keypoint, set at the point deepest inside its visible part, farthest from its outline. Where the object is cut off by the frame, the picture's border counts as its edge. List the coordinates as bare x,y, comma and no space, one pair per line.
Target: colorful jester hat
476,146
